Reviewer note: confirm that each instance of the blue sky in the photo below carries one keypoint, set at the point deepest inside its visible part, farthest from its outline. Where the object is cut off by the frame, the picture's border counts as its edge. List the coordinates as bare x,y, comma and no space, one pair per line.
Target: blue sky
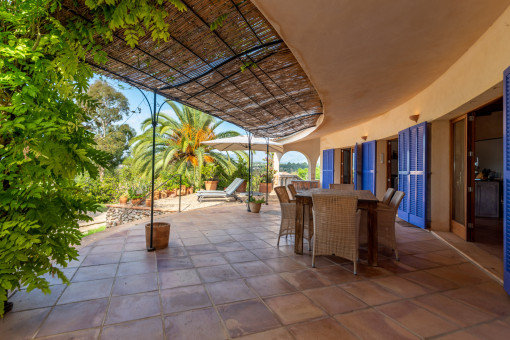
136,100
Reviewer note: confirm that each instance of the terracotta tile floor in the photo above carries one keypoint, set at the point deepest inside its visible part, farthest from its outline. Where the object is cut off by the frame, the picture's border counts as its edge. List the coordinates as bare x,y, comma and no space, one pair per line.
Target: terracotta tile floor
223,277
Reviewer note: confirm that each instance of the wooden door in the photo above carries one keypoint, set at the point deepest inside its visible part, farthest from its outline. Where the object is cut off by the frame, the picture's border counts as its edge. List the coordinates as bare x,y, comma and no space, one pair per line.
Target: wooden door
462,177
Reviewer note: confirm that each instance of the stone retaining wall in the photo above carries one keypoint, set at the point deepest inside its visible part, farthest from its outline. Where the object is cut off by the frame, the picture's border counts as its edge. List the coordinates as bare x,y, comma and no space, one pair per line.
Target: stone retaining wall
118,214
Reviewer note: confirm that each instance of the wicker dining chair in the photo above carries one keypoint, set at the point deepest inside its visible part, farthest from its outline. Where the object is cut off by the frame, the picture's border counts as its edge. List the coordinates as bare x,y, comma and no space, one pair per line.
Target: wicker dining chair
386,222
345,187
387,196
288,217
292,190
336,222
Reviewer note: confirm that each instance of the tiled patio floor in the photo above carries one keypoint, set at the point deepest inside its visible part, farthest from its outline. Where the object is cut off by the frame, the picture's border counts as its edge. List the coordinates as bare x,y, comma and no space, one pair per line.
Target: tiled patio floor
223,277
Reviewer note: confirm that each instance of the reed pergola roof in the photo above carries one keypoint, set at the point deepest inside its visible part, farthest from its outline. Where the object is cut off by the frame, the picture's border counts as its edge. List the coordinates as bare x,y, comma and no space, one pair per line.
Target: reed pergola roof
241,72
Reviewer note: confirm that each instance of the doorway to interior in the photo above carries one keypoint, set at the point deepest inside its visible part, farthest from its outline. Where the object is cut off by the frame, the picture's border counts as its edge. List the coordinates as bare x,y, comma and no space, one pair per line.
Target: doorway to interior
392,164
477,177
346,169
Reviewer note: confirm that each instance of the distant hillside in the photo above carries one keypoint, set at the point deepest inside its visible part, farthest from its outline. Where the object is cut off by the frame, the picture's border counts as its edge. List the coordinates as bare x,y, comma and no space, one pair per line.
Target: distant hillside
293,167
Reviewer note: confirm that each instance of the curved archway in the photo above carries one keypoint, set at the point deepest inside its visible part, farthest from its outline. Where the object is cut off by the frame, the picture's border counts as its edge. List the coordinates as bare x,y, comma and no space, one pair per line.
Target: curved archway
294,163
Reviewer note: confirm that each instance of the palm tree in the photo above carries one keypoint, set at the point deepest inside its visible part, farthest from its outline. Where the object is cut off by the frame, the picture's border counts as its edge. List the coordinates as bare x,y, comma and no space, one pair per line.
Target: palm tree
178,144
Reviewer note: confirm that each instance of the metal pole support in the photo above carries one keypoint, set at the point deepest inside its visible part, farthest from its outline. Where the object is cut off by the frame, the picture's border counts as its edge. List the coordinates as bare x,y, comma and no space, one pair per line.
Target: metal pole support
180,185
249,172
154,124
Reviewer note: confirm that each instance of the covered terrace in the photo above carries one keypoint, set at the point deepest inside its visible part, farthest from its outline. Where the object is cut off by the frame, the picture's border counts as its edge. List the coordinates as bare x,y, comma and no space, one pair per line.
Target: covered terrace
222,279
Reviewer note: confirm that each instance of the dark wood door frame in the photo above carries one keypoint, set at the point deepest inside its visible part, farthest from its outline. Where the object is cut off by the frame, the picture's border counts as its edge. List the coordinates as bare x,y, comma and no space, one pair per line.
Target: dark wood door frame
342,162
465,231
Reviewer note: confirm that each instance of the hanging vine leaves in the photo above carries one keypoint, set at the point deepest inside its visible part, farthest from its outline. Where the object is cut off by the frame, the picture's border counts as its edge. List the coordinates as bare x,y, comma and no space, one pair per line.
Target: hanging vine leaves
218,22
43,140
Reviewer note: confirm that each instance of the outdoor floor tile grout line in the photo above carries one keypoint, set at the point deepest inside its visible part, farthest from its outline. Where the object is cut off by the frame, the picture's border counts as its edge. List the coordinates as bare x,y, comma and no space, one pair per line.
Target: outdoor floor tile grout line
288,256
111,292
160,299
56,301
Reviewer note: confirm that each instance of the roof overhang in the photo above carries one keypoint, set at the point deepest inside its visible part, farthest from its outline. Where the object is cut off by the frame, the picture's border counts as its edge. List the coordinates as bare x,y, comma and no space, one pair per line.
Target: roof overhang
368,57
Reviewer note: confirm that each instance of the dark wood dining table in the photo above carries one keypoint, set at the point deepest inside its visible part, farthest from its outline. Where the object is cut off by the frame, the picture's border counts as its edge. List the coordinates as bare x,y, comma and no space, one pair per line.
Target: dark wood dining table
366,201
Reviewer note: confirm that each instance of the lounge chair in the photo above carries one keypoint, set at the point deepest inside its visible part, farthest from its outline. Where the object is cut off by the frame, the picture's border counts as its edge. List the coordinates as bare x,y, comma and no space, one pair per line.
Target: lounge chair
235,182
229,191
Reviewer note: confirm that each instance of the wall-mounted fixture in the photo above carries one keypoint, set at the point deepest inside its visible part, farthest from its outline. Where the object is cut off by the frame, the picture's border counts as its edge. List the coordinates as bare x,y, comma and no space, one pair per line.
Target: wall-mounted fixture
415,117
364,137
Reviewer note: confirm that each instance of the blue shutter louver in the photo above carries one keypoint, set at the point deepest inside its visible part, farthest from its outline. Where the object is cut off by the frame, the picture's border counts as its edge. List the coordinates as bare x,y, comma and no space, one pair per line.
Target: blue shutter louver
368,166
506,179
355,167
328,167
412,174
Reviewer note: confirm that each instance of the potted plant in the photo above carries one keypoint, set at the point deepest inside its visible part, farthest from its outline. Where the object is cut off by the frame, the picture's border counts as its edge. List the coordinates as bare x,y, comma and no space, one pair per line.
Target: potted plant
123,198
241,171
135,196
211,182
256,204
160,235
266,182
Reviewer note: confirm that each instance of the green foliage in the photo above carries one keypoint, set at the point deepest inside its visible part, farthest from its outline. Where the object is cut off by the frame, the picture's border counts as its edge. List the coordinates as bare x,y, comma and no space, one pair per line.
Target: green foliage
293,167
93,231
107,107
179,148
218,22
241,170
256,200
44,144
303,173
267,175
248,64
210,172
103,191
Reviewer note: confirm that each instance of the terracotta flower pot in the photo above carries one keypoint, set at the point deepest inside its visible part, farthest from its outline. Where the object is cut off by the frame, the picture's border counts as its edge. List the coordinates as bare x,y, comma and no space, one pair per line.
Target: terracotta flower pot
242,187
255,207
190,190
157,195
160,235
148,202
265,187
136,201
211,185
123,199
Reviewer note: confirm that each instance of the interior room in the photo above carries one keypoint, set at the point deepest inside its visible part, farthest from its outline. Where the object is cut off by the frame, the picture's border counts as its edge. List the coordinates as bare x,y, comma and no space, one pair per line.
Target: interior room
488,146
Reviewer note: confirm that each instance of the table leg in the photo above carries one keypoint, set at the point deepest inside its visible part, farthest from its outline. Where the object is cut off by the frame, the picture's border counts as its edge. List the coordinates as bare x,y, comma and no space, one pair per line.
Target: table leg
372,235
300,218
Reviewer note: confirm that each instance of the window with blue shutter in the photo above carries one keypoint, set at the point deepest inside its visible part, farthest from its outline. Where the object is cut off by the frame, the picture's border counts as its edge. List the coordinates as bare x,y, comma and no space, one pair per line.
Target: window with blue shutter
506,179
403,172
412,174
368,166
328,167
355,155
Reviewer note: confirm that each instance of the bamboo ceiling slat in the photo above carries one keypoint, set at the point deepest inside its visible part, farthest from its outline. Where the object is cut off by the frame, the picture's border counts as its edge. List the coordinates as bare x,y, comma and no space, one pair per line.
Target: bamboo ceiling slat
204,69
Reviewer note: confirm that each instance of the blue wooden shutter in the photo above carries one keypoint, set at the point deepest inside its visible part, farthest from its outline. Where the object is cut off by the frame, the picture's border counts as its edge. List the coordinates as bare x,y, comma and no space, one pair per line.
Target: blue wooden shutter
328,167
403,173
418,175
368,166
355,167
412,174
506,179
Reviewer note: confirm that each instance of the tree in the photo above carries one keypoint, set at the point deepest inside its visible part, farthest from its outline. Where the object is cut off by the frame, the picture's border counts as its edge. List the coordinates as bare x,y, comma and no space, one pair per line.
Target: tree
178,144
43,140
109,106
